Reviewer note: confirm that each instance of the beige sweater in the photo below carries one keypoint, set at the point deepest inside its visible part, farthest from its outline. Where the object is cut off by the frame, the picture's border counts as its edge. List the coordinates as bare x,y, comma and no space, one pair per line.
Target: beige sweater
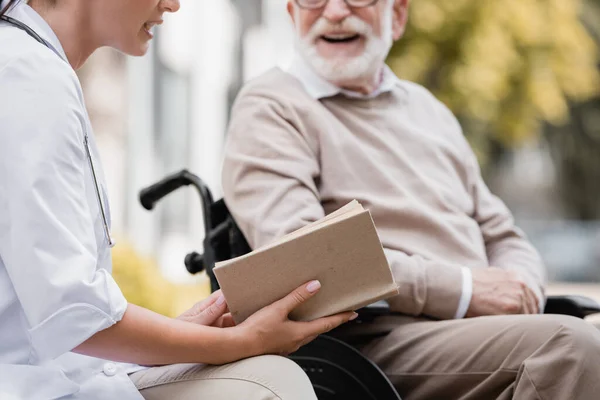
291,159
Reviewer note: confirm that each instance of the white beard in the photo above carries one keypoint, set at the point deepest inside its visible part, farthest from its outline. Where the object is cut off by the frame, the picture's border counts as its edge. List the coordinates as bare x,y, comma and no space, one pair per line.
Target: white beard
343,69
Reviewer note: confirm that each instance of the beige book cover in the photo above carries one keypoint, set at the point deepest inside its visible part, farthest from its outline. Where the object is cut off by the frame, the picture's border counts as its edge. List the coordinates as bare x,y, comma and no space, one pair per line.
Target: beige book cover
342,251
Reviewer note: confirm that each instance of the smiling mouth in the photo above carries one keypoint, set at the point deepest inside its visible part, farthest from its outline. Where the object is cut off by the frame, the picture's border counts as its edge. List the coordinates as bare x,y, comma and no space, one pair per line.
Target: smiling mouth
149,27
340,38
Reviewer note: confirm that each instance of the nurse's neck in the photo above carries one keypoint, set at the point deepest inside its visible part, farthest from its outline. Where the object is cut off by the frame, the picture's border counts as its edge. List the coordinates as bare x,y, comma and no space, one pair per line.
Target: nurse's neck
68,20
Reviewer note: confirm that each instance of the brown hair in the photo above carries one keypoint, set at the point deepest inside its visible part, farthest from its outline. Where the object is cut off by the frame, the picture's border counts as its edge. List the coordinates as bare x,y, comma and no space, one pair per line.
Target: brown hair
11,3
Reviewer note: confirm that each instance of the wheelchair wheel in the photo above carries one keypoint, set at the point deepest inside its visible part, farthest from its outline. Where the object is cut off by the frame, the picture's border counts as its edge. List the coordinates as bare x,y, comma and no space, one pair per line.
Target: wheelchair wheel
338,371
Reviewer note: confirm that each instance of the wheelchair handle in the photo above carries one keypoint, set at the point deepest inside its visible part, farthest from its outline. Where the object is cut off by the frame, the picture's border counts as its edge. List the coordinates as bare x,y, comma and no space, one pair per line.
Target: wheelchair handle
194,263
153,194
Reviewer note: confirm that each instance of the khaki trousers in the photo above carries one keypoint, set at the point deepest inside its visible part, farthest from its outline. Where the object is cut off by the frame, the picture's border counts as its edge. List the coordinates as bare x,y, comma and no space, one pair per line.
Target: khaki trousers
525,357
258,378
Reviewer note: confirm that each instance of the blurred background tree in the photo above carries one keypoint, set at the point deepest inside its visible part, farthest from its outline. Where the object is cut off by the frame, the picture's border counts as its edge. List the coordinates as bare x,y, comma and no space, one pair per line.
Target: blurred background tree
505,68
575,146
515,72
143,284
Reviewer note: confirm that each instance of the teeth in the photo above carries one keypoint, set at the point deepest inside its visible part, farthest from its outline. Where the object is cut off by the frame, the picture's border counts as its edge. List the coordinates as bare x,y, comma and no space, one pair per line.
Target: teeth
340,36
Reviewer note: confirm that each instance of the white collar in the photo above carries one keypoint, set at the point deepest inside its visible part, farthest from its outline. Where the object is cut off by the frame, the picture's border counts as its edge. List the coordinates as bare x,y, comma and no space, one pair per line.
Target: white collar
319,88
27,15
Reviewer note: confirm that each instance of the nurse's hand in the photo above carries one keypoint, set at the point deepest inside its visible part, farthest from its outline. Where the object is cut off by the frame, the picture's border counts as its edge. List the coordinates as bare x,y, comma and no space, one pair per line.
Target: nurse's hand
211,311
147,338
270,331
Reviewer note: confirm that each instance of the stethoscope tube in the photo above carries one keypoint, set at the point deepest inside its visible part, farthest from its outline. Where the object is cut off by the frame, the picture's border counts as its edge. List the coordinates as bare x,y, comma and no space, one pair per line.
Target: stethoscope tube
26,29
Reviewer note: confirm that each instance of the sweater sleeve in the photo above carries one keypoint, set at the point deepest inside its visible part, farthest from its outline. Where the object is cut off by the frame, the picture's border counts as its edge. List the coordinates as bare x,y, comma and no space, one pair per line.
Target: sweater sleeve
270,174
506,245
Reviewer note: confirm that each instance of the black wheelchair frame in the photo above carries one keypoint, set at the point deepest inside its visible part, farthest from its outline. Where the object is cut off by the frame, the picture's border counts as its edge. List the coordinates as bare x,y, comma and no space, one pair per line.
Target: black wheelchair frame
336,369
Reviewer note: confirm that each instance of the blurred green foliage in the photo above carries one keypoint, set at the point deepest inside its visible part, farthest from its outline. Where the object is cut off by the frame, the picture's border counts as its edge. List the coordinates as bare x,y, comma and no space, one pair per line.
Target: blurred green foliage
575,147
503,67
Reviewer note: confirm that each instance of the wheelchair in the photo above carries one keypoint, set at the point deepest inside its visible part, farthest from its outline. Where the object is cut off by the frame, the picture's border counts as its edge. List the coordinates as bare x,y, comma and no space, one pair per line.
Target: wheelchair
335,368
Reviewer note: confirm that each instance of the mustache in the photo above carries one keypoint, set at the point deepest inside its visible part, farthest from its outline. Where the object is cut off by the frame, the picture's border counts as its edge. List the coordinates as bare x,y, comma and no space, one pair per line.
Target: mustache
350,24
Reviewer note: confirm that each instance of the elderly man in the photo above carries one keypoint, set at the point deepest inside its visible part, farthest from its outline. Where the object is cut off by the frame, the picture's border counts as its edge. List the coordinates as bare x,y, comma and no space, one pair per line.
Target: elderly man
338,125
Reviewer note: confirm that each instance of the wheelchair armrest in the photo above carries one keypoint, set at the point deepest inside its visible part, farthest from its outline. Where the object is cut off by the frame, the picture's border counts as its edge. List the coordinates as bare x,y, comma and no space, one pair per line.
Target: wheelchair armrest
576,306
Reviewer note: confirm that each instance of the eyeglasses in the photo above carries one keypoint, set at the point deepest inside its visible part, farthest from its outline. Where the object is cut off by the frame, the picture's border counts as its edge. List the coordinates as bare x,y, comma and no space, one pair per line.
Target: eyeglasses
316,4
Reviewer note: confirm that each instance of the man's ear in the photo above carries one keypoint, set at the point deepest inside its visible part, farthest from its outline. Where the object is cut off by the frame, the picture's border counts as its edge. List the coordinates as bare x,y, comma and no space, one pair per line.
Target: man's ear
400,12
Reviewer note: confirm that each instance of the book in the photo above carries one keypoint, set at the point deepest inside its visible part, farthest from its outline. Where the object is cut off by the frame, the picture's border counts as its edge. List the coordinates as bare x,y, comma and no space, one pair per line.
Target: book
341,250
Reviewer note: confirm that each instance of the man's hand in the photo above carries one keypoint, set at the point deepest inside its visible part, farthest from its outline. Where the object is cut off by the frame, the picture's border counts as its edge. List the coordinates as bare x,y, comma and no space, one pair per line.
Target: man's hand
500,292
211,311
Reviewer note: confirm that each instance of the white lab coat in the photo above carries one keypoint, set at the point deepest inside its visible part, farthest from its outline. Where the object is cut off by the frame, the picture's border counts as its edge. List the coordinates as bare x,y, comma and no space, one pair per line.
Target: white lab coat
56,288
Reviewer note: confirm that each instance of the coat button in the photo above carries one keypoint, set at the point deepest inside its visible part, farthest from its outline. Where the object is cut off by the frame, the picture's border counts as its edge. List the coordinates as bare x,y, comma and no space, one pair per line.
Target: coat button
110,369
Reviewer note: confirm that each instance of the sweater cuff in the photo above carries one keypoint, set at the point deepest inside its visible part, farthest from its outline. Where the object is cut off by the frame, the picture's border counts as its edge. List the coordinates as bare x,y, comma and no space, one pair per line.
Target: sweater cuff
443,293
467,293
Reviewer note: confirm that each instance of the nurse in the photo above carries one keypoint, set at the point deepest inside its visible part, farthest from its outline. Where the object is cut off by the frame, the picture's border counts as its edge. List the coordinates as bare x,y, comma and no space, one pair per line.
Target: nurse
66,331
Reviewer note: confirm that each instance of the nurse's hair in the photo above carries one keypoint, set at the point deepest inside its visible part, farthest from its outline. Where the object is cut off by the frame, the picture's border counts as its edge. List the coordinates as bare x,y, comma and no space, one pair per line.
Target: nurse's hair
9,5
12,3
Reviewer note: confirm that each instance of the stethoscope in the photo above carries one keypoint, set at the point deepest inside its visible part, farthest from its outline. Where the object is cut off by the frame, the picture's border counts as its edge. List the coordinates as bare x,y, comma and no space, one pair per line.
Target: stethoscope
41,40
25,28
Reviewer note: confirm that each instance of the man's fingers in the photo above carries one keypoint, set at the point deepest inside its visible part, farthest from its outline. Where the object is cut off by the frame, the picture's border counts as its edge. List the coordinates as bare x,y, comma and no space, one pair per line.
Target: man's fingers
299,296
529,306
533,301
526,305
523,302
326,324
530,303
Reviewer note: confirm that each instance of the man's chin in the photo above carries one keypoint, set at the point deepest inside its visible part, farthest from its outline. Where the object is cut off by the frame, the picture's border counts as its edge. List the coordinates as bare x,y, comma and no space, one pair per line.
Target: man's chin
341,69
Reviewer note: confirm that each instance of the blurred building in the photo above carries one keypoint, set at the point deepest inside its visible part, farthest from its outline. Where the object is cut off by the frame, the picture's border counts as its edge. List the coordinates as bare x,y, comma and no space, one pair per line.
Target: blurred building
168,111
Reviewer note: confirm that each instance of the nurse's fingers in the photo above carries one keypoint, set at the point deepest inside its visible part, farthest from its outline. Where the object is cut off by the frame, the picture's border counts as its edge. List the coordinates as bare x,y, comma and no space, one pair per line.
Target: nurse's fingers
203,311
207,302
226,321
212,313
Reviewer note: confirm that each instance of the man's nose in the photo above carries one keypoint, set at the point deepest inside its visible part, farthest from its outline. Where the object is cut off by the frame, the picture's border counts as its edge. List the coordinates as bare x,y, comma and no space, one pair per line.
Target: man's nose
170,5
336,11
